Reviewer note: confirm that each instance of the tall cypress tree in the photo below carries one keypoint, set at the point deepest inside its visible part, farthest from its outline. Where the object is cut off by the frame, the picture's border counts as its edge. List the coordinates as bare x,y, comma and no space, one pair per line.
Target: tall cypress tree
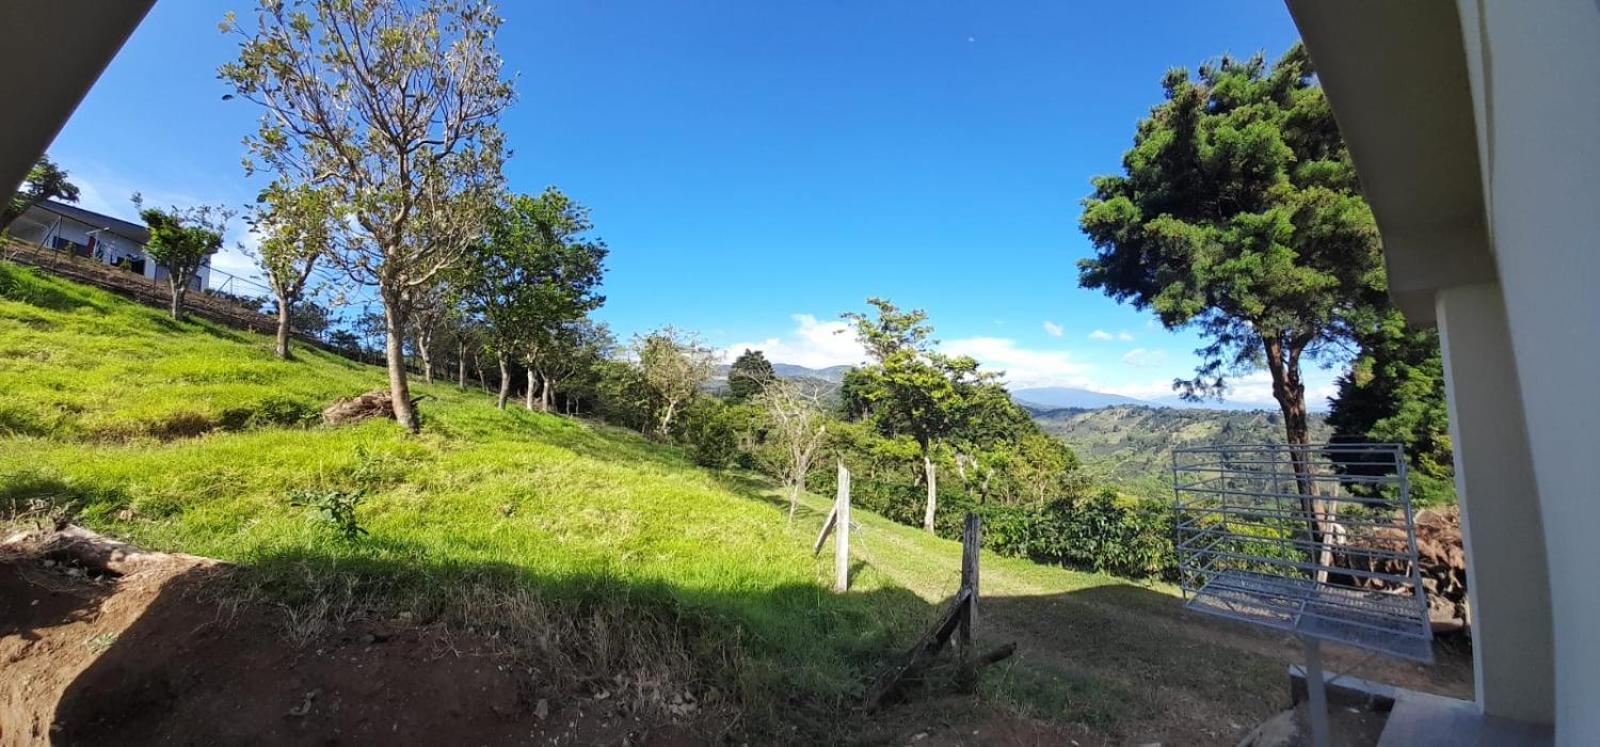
1238,213
749,375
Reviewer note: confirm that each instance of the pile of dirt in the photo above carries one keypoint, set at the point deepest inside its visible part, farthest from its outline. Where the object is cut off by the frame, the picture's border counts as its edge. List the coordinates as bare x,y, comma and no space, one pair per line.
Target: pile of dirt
103,644
1441,558
374,404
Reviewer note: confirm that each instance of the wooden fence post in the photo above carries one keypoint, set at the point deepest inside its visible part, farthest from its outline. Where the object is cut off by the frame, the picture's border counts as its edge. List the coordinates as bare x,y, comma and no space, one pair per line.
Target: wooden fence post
841,542
971,542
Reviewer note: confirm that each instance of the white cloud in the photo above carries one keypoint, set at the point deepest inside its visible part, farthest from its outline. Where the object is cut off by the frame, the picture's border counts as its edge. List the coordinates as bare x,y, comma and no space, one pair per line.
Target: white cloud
1023,367
812,343
1256,388
1104,336
1144,357
1053,329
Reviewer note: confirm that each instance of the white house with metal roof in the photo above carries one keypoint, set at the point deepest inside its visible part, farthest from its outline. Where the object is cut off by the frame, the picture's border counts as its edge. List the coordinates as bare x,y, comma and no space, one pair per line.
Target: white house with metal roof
85,233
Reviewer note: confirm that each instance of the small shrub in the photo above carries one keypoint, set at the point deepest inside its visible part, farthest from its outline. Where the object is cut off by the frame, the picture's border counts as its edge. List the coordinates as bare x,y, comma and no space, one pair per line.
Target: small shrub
274,410
336,507
709,433
1099,534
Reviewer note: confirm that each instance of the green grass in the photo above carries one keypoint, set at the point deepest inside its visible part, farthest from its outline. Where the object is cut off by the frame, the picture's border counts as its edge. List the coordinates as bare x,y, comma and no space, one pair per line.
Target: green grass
189,437
562,535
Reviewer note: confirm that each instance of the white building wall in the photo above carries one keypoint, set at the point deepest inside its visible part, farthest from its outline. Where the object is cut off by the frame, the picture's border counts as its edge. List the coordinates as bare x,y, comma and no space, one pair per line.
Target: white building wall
1534,68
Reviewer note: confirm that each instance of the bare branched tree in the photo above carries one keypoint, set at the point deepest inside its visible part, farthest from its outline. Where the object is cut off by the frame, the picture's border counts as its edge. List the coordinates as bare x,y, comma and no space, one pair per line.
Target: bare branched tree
674,364
429,309
392,106
798,425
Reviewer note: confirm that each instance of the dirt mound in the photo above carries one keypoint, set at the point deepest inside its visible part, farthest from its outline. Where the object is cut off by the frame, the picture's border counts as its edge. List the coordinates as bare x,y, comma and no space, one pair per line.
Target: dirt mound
374,404
1440,556
103,644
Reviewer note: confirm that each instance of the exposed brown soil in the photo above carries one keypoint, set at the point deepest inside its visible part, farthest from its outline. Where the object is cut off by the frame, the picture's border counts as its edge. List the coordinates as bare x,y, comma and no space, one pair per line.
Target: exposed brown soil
156,656
954,721
103,644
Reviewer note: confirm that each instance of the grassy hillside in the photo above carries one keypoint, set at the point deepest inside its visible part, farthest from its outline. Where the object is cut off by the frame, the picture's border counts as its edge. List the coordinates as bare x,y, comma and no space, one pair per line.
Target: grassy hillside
1129,445
192,437
596,552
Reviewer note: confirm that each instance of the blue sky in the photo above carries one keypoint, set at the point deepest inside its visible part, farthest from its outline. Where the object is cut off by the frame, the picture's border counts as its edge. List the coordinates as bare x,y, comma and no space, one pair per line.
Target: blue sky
757,168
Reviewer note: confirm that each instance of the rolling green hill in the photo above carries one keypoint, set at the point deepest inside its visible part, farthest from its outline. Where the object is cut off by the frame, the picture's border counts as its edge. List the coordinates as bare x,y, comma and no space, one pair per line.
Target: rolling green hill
1129,446
191,437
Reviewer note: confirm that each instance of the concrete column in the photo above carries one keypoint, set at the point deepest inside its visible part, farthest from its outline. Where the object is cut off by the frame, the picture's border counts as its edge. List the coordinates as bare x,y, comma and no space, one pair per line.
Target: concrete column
1507,579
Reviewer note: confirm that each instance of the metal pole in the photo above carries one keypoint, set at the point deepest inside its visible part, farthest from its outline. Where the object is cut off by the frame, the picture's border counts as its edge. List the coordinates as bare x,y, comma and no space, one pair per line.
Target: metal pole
1317,690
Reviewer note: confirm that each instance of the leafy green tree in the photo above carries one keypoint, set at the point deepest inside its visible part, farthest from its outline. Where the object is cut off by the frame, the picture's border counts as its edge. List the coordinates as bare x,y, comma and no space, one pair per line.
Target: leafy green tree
567,352
673,365
568,269
46,181
346,342
621,395
308,318
709,432
892,330
182,241
393,108
1394,393
1239,213
297,226
911,390
749,376
533,274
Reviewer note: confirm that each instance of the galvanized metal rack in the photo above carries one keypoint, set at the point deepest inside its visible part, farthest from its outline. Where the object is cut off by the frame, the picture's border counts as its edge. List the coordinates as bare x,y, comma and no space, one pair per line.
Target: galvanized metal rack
1264,537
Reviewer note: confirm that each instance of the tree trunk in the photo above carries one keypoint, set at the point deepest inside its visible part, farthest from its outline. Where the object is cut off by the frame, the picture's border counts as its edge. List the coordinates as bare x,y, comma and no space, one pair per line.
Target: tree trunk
461,366
477,365
933,490
505,379
394,319
178,290
1290,392
423,343
546,395
794,497
527,395
283,327
666,419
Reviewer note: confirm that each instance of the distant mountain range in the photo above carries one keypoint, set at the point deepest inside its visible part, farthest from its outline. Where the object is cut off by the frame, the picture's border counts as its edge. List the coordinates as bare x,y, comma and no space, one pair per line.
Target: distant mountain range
1038,400
1130,445
1058,397
831,374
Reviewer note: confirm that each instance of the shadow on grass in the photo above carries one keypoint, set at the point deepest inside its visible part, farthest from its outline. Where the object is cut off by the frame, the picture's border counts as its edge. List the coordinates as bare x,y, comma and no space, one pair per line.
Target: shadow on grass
380,643
34,492
763,489
397,646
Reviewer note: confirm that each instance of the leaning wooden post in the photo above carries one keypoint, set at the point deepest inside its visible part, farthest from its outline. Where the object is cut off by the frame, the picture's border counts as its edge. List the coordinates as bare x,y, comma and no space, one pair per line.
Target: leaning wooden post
971,541
841,542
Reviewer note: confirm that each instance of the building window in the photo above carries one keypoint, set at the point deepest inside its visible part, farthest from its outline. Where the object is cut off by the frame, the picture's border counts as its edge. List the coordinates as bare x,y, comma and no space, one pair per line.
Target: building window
62,243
